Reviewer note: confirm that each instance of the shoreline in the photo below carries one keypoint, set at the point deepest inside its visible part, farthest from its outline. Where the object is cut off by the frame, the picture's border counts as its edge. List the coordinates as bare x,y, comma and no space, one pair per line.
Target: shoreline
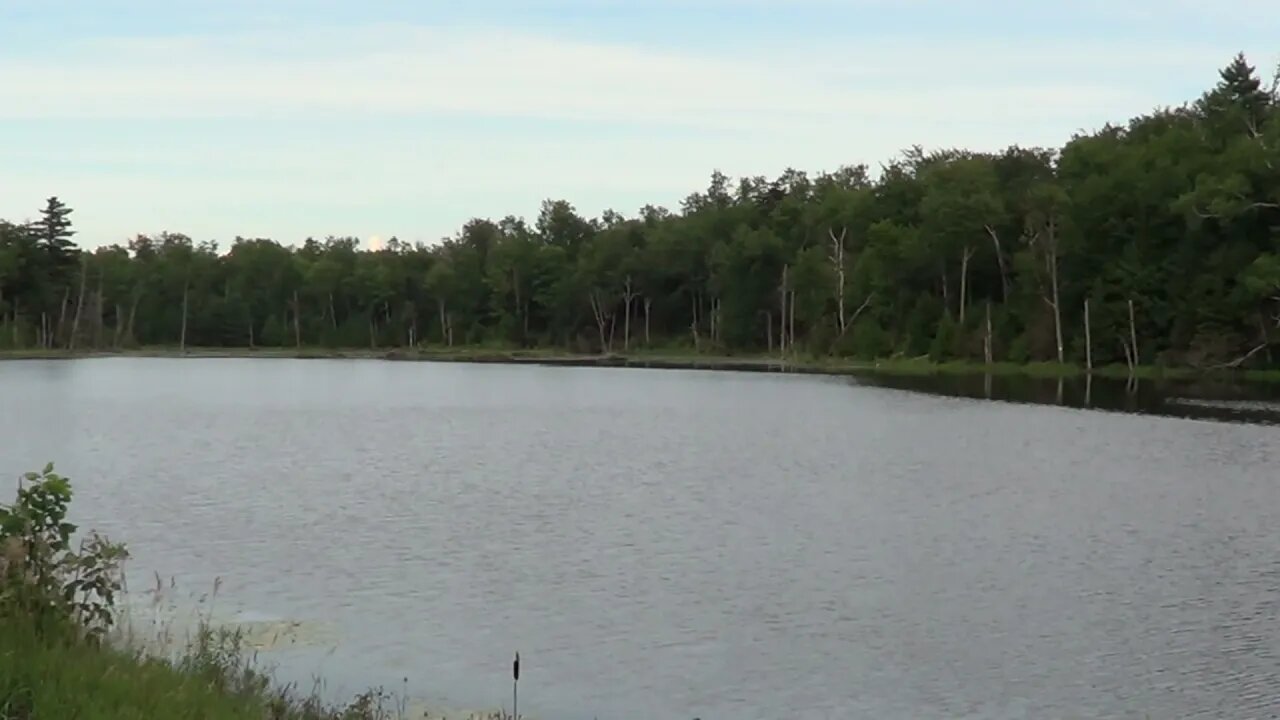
673,360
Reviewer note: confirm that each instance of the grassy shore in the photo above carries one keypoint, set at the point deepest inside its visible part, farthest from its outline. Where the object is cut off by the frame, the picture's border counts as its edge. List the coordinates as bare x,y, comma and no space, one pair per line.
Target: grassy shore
62,675
69,648
44,676
677,358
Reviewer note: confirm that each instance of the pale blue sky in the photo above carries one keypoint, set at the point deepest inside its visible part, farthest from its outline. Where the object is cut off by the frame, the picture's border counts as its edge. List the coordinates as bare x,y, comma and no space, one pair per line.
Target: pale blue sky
289,118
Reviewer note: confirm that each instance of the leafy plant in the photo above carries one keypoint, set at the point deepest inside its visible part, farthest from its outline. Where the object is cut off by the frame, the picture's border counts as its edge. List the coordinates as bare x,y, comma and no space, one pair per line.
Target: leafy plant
45,576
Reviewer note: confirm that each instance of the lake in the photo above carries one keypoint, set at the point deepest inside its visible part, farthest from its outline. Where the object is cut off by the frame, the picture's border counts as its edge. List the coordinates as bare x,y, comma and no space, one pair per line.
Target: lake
681,544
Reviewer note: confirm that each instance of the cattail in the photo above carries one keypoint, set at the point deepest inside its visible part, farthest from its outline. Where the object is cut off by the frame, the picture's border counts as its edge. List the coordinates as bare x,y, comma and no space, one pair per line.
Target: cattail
515,688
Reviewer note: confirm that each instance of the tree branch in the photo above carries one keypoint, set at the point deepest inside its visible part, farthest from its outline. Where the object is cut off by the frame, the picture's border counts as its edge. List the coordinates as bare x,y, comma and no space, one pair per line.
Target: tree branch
1243,358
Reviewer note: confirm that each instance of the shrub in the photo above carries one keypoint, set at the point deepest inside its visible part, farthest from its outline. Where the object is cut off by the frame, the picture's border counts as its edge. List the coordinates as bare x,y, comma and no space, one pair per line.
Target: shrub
45,577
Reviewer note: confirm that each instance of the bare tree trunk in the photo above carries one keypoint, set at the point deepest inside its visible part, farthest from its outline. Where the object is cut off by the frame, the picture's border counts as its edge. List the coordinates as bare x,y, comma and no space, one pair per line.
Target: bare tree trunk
1088,339
768,329
837,260
648,308
1128,356
964,280
297,321
597,310
1133,336
782,319
97,333
715,321
133,315
853,319
450,323
986,346
444,323
43,336
613,325
373,332
791,323
515,287
119,334
251,331
333,315
1004,273
1057,308
627,297
59,332
946,289
17,336
75,323
693,326
182,340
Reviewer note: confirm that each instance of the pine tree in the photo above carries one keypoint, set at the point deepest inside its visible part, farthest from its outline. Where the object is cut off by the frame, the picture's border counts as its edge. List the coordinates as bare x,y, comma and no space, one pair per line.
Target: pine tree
53,232
1241,87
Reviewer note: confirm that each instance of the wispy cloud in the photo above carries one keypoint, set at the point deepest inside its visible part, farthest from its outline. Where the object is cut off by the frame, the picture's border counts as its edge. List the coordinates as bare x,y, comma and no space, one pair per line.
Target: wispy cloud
498,72
412,124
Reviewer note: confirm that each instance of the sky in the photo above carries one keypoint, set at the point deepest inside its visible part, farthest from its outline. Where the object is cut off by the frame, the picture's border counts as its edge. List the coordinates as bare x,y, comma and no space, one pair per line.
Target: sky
373,118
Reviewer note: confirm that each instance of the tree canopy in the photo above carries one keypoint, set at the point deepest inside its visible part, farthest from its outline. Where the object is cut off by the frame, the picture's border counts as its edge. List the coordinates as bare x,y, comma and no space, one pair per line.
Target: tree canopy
1167,227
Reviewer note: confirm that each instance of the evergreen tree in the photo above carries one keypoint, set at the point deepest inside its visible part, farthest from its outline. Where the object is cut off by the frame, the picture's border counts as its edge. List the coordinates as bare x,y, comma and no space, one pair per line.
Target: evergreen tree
53,232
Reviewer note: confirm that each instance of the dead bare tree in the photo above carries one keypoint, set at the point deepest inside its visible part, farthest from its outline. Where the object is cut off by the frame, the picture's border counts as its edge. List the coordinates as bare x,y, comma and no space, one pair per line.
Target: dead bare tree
837,261
1133,337
297,321
1088,340
602,315
130,328
445,335
693,323
119,331
628,294
648,311
986,345
99,313
965,257
59,331
1243,358
782,293
75,323
186,291
1128,355
1004,272
1045,239
791,322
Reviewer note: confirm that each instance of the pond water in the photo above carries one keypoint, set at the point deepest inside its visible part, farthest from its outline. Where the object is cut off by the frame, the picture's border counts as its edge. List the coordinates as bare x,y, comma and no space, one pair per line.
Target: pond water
680,544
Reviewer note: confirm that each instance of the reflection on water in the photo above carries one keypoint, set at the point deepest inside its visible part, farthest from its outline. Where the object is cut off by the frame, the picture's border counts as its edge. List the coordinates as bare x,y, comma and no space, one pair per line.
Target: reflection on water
1197,399
672,544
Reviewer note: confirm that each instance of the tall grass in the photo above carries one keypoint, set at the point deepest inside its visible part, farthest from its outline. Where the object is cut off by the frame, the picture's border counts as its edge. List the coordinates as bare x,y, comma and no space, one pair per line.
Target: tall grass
68,649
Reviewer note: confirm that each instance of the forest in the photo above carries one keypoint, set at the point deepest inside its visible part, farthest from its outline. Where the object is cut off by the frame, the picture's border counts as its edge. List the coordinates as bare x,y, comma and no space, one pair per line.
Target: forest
1153,242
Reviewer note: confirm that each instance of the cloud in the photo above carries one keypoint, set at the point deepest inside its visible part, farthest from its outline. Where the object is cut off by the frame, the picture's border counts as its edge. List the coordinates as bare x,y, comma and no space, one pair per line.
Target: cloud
395,70
410,129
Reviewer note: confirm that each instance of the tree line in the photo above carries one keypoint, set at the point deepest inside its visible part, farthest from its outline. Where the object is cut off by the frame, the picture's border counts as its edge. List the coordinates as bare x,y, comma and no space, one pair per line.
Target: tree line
1153,241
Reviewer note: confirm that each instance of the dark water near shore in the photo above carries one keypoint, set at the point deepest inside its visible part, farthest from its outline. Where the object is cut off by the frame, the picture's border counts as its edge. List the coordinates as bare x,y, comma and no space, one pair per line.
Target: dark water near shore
678,544
1199,399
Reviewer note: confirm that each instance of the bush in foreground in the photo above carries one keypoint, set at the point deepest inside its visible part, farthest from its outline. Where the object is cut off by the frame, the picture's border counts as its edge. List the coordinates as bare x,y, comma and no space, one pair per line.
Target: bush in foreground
57,605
